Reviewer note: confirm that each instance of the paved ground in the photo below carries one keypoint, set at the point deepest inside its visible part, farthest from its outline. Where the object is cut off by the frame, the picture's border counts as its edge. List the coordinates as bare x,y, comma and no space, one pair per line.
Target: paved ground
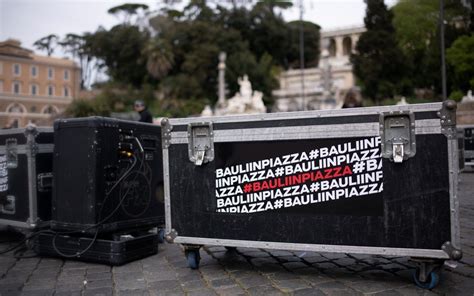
245,271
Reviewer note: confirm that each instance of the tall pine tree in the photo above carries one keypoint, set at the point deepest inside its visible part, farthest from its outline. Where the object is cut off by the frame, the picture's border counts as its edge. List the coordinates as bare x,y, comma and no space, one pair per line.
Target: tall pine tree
378,61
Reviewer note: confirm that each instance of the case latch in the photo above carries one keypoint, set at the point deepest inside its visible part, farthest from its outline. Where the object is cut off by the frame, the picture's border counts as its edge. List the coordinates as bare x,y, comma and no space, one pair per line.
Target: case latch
7,205
200,142
12,153
397,130
45,182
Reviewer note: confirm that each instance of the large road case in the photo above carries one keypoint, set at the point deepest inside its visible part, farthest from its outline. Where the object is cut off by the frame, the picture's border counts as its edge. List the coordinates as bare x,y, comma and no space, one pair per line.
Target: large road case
26,165
108,175
467,136
378,180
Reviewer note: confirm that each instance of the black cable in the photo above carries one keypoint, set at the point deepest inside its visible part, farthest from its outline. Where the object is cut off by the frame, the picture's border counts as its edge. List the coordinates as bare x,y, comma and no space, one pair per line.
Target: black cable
98,224
26,238
77,254
127,172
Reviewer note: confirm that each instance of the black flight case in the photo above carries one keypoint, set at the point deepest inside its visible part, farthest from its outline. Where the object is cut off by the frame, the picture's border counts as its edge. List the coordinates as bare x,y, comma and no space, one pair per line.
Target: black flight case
379,180
111,250
109,176
26,177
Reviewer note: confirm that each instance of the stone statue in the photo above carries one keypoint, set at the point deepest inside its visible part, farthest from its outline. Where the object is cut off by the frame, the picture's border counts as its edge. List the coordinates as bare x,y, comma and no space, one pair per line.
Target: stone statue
246,101
468,97
207,111
245,87
403,101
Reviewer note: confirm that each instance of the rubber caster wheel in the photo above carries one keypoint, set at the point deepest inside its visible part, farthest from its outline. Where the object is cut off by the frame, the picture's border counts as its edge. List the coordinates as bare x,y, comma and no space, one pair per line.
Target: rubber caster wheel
231,249
193,259
431,282
161,236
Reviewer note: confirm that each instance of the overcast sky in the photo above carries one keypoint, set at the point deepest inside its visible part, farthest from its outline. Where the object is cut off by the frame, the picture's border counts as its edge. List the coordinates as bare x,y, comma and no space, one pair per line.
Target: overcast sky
29,20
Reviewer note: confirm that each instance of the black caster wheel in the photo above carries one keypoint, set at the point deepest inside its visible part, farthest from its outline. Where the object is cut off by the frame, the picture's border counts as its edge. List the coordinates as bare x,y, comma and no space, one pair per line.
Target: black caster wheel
432,280
193,258
161,236
231,249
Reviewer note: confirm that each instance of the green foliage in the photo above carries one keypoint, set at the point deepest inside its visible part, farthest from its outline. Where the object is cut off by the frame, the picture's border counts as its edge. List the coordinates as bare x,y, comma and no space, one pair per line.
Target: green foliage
119,51
379,63
177,54
417,29
456,95
112,98
311,42
47,43
128,11
461,57
81,108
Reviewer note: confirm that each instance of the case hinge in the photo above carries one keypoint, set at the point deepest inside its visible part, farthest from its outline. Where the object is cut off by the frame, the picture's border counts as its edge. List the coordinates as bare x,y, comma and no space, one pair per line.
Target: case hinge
166,129
447,115
200,142
397,130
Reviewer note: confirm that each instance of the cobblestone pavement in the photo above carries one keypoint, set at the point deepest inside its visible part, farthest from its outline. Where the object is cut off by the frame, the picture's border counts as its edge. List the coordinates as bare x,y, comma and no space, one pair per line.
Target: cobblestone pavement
242,272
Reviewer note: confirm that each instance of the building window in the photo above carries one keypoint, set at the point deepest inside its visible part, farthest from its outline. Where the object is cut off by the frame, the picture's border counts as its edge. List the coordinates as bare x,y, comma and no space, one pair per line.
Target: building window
16,69
66,91
33,109
16,108
34,89
50,90
50,73
34,71
66,74
50,110
1,68
16,88
1,86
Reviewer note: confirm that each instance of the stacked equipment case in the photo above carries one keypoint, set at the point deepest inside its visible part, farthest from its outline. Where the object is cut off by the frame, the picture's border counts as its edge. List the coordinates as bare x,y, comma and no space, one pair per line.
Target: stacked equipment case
26,177
108,174
467,138
378,180
107,193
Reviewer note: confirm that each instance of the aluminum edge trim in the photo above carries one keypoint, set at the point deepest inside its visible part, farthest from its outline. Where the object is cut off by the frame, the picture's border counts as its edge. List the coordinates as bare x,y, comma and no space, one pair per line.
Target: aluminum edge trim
14,223
166,181
453,191
426,126
310,114
33,202
427,253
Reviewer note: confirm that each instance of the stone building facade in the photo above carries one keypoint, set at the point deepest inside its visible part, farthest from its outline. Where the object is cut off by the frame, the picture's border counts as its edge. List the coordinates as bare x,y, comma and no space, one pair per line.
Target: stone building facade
34,88
339,43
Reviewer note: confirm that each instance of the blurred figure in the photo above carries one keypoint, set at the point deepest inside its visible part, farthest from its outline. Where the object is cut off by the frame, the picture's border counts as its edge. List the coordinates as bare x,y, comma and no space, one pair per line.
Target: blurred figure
351,101
145,115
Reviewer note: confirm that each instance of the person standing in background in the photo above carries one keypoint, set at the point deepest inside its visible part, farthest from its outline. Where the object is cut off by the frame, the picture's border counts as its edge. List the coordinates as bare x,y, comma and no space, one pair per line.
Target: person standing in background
145,115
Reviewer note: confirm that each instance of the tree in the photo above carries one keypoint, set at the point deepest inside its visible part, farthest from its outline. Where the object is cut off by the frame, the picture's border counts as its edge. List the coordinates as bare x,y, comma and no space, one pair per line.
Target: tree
47,43
119,51
311,42
461,57
77,47
417,30
127,11
272,5
159,58
378,62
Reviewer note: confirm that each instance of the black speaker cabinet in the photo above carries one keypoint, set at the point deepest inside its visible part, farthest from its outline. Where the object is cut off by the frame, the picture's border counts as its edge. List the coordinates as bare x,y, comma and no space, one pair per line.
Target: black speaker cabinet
108,175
